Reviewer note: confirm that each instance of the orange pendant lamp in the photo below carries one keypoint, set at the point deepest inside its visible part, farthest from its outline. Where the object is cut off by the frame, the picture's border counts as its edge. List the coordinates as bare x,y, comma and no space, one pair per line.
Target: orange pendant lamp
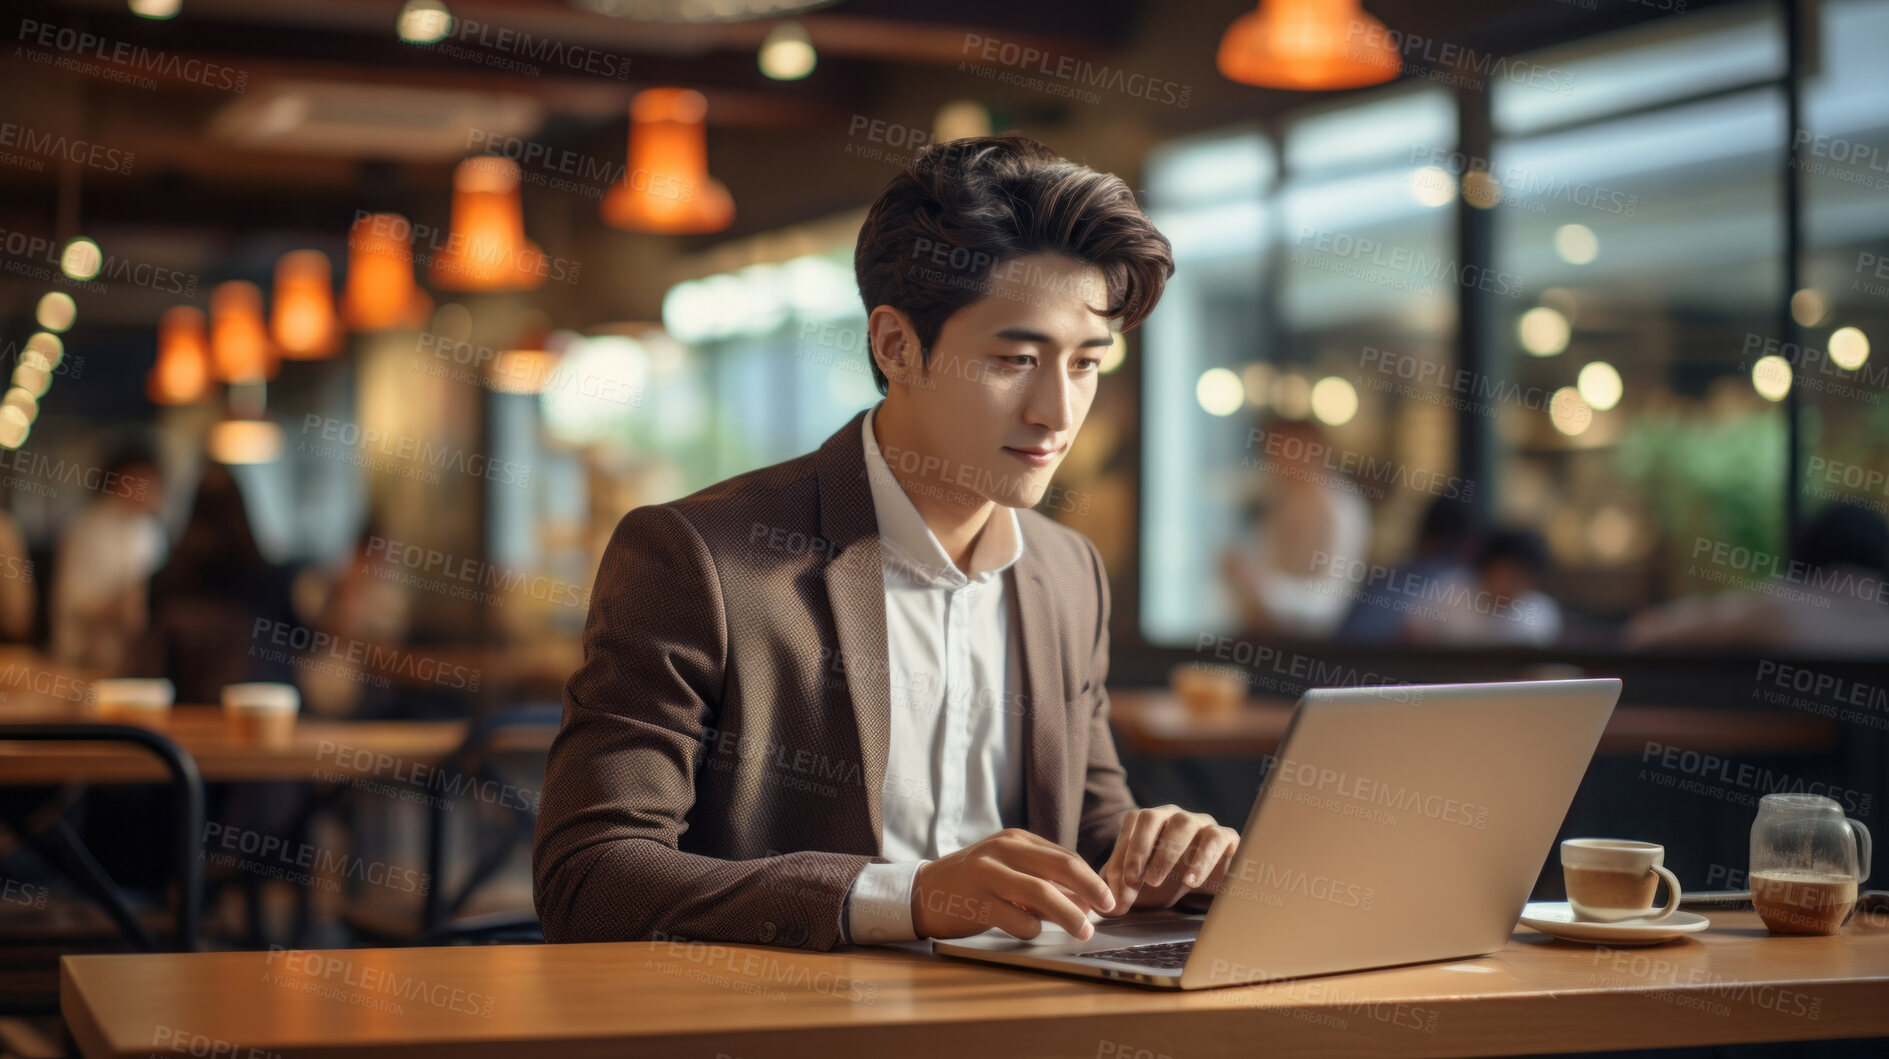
1308,45
182,372
666,188
381,293
487,249
302,319
239,343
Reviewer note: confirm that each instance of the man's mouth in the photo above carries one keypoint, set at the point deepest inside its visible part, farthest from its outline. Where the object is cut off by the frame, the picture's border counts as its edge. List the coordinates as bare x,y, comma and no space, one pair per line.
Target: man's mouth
1036,456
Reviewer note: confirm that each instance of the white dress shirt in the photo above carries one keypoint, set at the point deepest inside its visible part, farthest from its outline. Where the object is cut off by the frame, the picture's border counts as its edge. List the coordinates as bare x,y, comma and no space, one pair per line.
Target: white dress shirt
954,773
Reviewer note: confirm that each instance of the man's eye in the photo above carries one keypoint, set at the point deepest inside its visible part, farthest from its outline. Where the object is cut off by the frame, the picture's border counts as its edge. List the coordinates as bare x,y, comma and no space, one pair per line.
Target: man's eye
1021,360
1088,363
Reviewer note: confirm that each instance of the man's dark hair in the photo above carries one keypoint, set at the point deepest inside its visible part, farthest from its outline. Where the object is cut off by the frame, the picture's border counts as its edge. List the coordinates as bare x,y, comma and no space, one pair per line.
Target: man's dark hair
983,200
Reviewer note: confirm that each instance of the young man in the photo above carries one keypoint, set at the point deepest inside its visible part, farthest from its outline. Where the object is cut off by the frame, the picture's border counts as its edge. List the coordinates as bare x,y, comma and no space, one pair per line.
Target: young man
858,696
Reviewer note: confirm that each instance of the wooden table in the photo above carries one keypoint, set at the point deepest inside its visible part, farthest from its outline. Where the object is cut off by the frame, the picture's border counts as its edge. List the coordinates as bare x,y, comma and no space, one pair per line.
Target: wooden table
1732,983
1154,723
318,749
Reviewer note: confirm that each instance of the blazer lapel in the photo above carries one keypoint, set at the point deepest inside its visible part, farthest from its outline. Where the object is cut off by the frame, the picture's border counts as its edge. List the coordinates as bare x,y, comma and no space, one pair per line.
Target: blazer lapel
855,589
1045,714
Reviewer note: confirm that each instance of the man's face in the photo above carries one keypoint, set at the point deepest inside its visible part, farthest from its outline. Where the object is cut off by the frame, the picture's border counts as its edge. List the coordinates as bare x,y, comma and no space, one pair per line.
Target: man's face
1011,379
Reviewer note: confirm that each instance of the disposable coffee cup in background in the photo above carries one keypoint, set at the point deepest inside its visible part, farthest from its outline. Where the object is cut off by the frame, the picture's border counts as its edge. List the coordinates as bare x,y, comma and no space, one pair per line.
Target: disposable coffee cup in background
1614,879
125,700
261,712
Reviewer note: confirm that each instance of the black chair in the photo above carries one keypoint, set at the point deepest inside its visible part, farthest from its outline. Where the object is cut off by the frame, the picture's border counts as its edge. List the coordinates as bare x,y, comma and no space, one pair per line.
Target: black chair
474,758
440,921
59,843
29,968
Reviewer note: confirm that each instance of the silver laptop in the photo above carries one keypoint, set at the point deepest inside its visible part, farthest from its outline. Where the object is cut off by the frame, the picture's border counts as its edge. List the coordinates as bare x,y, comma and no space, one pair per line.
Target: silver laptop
1394,825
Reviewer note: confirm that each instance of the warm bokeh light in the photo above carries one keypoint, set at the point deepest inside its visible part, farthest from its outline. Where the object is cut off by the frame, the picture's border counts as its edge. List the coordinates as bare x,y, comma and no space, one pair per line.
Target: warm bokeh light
1808,307
25,404
1568,412
380,292
959,119
43,347
155,8
33,378
245,441
56,311
81,259
787,53
1309,45
239,344
1116,356
423,22
1543,331
1257,377
182,372
521,371
666,188
1771,377
1219,392
1599,385
1334,401
1576,244
1432,186
302,321
1613,534
487,249
1292,395
12,434
1481,190
1849,348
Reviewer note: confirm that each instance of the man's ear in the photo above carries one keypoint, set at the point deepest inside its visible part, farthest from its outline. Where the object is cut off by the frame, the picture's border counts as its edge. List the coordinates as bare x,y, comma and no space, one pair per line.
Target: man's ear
895,347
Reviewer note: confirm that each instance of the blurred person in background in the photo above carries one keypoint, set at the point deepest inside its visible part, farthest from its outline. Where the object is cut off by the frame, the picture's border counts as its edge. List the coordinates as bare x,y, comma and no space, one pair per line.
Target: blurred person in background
103,568
1834,599
1441,554
207,599
19,597
364,602
1497,602
1288,576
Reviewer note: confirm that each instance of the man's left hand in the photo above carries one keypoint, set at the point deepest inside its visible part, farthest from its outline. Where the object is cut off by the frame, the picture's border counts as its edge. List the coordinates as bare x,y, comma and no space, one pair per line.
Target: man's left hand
1165,853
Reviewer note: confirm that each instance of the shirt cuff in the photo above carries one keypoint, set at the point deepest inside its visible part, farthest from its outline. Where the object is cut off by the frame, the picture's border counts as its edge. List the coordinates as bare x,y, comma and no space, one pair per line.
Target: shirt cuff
879,906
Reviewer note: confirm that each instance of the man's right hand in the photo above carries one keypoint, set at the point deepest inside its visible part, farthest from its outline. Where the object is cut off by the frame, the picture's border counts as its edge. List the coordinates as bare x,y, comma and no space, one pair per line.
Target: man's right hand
1015,880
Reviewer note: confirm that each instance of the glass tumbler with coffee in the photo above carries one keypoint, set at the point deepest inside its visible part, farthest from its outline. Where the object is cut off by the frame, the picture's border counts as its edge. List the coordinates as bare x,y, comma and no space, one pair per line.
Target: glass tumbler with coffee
1807,861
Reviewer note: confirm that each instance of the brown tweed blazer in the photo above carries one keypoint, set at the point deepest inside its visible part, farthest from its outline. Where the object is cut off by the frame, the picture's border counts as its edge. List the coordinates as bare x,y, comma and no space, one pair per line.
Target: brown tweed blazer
718,773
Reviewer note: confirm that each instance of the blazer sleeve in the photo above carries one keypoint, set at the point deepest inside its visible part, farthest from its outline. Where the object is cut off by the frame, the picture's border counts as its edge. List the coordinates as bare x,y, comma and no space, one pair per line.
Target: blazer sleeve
1105,795
620,779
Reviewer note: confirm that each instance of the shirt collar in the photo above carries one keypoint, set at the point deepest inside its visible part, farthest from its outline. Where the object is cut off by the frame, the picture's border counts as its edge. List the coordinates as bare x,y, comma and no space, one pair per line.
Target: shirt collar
904,535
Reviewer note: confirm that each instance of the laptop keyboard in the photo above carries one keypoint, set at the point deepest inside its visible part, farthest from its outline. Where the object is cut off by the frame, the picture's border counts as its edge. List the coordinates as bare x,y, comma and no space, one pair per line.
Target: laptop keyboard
1165,956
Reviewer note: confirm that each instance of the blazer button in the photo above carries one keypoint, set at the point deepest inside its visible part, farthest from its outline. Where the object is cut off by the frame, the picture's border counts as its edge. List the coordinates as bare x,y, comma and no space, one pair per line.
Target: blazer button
796,935
768,931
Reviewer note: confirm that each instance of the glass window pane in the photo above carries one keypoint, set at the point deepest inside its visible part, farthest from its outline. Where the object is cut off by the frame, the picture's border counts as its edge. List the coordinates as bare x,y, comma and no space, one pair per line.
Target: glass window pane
1667,60
1633,428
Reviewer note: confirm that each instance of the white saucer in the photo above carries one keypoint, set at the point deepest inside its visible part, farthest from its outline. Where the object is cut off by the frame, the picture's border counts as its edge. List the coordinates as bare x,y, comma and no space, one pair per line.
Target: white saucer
1556,919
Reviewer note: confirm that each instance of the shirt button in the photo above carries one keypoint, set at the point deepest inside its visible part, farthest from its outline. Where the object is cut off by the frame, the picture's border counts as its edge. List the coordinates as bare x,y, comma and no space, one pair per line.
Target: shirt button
768,930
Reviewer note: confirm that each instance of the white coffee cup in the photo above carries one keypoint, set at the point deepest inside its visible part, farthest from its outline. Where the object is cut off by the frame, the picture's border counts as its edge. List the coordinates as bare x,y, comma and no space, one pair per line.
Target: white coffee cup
133,700
261,711
1613,879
